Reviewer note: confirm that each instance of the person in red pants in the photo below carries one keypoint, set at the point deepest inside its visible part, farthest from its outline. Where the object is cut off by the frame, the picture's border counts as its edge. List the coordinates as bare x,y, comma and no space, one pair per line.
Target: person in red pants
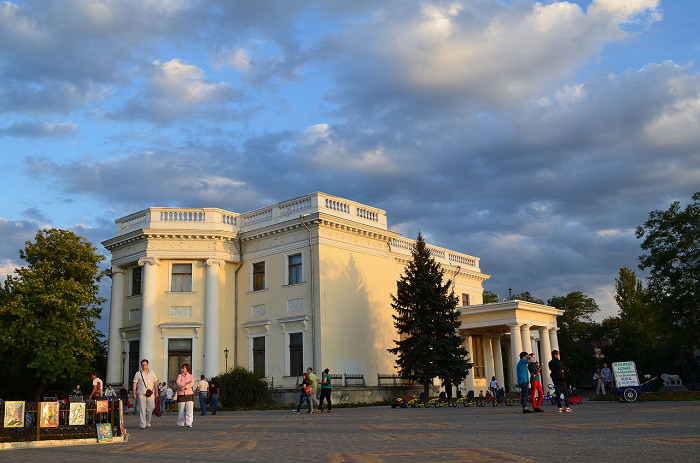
536,392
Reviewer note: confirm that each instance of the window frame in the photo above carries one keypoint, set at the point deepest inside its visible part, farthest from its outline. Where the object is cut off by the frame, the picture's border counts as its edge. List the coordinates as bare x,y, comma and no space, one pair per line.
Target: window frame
253,274
172,276
131,281
287,268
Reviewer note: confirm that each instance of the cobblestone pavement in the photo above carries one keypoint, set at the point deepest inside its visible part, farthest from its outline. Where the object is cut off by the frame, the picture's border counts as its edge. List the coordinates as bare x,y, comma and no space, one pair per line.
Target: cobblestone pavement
628,433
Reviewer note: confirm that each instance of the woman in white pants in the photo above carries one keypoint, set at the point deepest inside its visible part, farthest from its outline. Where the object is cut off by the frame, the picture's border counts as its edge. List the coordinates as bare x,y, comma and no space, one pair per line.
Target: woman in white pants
185,396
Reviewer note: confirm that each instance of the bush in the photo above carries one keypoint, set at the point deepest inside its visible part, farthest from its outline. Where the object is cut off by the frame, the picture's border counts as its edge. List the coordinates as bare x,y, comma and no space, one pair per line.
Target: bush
241,388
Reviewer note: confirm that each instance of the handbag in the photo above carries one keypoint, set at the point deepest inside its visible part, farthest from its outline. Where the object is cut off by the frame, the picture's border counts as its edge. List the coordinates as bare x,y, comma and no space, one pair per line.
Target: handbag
157,411
308,390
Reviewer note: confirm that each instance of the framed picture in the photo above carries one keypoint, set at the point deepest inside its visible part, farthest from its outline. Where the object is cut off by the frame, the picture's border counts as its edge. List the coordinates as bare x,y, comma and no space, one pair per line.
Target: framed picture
49,415
14,414
104,433
102,406
76,416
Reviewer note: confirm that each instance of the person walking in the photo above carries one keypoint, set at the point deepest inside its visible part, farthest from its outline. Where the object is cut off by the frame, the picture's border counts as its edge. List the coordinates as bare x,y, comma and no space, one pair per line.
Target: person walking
185,396
96,387
536,393
214,395
447,384
326,389
169,398
313,379
523,377
556,372
203,390
161,395
493,385
305,394
124,395
145,393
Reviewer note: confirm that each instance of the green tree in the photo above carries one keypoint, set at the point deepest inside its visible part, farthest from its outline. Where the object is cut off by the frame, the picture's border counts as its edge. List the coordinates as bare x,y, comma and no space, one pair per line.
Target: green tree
574,326
490,297
48,310
527,297
672,242
427,322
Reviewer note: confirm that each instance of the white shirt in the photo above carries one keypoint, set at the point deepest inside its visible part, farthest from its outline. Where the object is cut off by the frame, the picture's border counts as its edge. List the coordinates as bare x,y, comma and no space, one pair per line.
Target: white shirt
149,378
97,382
203,386
169,393
110,393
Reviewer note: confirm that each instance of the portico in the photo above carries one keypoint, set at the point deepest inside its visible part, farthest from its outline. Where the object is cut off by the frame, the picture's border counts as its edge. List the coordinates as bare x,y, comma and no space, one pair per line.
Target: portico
516,325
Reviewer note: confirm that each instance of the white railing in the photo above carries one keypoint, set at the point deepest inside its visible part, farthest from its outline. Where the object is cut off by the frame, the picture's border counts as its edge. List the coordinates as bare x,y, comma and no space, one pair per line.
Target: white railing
442,255
257,217
182,216
295,206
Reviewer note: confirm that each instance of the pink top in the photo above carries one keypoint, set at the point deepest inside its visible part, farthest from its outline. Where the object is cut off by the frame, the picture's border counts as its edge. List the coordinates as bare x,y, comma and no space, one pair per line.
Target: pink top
184,384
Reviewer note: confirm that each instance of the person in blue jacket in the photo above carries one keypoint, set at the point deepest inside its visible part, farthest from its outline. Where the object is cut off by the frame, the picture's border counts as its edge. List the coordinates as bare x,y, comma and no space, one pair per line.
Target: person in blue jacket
523,380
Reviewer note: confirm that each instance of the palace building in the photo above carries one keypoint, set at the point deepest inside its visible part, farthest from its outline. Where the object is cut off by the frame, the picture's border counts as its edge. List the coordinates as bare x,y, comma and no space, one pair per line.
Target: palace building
305,282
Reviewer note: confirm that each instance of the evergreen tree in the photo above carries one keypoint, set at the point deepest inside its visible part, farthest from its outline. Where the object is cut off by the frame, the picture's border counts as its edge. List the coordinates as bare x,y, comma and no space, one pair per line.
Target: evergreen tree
47,313
427,322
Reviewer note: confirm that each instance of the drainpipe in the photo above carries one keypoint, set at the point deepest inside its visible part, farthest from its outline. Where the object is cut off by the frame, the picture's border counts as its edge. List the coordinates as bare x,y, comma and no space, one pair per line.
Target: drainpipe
313,296
235,302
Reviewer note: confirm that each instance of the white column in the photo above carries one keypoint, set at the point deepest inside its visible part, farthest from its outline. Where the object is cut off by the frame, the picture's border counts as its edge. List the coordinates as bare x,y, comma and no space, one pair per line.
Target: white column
116,308
488,357
211,319
545,356
533,344
516,345
525,338
470,377
148,308
553,339
498,361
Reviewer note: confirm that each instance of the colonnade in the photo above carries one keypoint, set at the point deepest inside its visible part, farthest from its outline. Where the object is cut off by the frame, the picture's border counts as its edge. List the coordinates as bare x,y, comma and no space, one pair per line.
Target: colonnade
148,329
522,339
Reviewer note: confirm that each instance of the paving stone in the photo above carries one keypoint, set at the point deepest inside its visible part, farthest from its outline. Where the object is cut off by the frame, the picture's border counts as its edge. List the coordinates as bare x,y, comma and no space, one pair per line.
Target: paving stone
638,432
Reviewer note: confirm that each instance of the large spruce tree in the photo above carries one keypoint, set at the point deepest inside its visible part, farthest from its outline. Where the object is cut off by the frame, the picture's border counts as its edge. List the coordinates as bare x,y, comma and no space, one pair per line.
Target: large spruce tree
427,322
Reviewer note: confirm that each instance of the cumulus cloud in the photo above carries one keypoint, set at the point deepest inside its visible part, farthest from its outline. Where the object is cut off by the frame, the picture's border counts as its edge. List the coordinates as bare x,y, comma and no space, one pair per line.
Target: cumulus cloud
32,129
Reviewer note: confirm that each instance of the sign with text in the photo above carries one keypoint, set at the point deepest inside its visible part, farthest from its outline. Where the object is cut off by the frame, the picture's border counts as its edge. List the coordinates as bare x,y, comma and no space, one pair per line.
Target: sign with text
625,374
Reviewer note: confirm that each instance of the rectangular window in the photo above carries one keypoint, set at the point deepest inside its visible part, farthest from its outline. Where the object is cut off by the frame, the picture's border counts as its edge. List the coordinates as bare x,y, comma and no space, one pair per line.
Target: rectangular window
134,362
479,367
182,278
259,356
465,299
135,281
296,354
258,276
294,269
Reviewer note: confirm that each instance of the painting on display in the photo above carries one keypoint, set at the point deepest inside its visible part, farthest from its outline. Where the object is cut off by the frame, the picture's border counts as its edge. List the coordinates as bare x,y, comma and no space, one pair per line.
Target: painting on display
49,415
102,406
14,414
77,414
104,433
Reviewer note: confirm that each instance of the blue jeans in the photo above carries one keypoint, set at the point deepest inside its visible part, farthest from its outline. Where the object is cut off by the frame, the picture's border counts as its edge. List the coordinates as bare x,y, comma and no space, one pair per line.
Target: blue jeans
213,402
303,397
523,394
203,402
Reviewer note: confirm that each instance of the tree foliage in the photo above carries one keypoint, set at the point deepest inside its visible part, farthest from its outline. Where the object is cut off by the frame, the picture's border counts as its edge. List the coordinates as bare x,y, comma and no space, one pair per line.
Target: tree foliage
48,309
575,325
427,321
527,297
672,242
490,297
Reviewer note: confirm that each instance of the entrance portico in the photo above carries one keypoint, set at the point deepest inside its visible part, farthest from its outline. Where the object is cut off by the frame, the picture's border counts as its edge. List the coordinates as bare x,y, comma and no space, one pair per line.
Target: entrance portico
520,326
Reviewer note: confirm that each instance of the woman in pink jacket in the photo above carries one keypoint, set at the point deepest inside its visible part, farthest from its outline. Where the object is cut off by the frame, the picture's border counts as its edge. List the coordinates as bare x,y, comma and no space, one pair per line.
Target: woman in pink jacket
185,396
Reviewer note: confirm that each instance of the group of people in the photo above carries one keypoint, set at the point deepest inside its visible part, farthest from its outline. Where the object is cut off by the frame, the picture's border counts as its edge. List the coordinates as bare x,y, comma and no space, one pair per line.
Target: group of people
308,387
529,377
147,390
603,379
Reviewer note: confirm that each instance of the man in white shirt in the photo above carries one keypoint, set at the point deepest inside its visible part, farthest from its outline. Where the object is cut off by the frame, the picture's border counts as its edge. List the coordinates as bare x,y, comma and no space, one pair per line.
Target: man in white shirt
144,381
203,389
110,394
96,387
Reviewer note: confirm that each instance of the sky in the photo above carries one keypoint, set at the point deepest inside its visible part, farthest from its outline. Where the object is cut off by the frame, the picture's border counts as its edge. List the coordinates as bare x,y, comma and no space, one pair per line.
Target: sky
534,135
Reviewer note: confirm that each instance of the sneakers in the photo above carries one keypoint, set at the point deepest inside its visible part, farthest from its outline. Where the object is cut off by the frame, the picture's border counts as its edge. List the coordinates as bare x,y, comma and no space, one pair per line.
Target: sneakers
567,410
525,410
538,410
561,410
297,411
329,411
319,411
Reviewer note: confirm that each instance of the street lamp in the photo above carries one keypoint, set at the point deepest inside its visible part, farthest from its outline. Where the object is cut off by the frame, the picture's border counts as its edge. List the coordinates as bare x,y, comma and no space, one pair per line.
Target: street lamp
226,357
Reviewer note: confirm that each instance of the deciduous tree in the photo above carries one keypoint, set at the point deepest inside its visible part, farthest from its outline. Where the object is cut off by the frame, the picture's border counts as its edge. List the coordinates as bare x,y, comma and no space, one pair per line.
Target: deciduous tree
48,309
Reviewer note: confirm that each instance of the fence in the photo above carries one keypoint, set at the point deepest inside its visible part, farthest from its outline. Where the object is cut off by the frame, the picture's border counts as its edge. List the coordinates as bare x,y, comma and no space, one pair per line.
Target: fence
23,421
384,380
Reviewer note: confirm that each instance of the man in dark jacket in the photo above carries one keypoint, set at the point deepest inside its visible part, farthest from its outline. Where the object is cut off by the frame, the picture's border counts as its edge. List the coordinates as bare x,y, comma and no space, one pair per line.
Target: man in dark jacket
523,377
556,369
